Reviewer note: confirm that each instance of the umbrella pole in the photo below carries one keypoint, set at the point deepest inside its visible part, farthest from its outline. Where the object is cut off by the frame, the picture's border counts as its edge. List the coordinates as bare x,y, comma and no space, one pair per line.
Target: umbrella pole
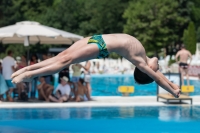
28,51
29,84
26,44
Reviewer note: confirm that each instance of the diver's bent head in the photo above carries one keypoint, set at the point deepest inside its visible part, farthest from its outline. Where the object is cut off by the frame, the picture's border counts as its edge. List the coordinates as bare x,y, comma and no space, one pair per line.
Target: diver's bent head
142,78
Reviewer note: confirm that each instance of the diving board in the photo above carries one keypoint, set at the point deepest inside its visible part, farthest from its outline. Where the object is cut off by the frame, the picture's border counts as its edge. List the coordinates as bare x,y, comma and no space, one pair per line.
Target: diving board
163,94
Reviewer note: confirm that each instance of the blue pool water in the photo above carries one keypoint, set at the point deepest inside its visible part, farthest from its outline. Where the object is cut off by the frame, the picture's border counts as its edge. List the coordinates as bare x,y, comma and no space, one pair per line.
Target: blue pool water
107,85
150,119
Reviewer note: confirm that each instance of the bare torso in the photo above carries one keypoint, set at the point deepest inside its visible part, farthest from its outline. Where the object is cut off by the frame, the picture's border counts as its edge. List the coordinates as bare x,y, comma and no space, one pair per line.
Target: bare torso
80,89
183,55
125,45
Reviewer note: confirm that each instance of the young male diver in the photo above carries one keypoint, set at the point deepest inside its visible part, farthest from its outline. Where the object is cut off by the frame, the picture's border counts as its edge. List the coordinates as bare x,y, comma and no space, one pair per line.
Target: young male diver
99,46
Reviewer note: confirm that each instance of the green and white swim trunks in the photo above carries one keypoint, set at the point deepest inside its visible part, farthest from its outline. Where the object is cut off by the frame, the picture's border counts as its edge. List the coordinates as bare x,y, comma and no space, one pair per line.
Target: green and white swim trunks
97,39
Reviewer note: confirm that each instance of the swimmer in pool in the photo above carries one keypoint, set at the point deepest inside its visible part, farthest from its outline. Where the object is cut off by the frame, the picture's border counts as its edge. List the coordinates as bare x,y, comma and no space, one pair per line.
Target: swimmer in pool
99,46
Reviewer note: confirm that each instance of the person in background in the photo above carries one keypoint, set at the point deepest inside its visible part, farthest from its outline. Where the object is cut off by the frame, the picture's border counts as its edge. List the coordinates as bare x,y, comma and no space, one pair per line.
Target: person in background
44,56
8,65
183,55
98,68
76,72
87,78
44,90
63,91
81,91
33,84
21,63
34,59
64,72
3,85
21,86
73,90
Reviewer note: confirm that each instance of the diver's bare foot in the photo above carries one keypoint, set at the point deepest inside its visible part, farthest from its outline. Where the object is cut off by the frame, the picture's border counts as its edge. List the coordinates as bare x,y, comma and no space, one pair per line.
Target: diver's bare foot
177,93
15,74
22,78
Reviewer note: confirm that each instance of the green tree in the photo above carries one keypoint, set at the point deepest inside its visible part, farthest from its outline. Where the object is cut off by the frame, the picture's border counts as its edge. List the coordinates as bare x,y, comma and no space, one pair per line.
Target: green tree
65,15
189,38
87,17
18,50
195,17
103,17
156,23
198,34
8,13
195,11
32,10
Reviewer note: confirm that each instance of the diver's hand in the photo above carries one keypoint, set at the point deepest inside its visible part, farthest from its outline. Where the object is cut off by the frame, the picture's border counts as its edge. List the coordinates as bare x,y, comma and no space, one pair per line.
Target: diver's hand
177,91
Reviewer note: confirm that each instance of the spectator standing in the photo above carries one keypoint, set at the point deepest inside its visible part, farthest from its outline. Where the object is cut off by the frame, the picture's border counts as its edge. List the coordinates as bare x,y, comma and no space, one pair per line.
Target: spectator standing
3,85
87,78
76,72
62,91
8,65
183,56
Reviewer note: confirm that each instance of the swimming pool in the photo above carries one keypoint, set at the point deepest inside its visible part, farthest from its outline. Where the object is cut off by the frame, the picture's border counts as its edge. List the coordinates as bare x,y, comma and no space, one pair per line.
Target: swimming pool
155,119
107,85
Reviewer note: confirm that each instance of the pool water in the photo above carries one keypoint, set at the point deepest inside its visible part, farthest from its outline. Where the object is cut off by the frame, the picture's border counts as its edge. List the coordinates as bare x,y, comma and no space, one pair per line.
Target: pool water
107,85
155,119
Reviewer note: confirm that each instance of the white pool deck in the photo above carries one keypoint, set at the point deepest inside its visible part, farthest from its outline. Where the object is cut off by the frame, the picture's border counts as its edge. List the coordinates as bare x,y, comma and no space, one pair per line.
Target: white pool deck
103,101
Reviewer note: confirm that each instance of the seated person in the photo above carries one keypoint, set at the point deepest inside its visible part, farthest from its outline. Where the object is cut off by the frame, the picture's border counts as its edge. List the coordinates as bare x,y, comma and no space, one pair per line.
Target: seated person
64,72
44,90
62,91
80,91
73,90
20,88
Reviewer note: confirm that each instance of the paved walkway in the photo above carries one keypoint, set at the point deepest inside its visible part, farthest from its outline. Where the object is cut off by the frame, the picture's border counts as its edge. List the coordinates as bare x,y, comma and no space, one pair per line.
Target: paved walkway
102,101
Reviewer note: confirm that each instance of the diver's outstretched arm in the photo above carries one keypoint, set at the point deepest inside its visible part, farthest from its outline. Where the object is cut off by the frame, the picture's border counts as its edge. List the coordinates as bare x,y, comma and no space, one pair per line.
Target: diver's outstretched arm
159,78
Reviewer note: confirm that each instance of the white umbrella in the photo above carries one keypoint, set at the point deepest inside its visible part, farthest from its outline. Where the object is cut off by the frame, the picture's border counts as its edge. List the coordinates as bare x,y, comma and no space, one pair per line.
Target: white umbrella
29,32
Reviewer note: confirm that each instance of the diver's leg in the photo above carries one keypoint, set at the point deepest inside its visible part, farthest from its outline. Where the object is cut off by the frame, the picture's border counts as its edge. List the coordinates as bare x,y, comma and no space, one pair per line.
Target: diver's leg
75,46
64,59
35,66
